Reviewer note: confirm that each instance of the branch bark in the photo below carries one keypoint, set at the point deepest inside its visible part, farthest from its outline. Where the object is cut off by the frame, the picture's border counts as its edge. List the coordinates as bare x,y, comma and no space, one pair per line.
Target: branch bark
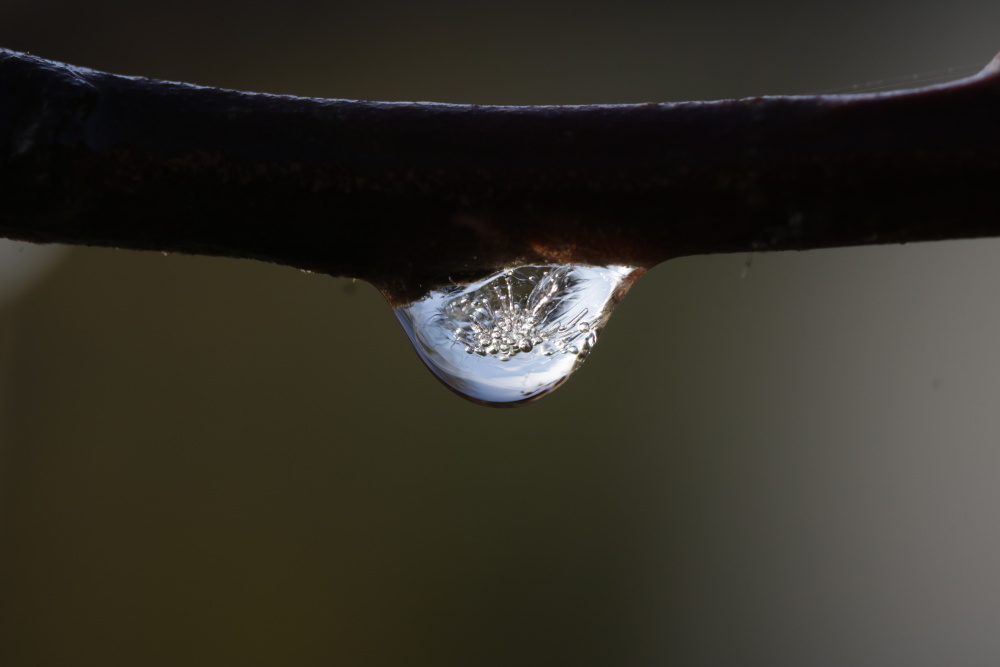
409,195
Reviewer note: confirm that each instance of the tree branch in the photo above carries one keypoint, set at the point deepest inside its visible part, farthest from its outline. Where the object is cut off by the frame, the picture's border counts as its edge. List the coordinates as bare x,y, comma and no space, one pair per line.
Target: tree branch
406,195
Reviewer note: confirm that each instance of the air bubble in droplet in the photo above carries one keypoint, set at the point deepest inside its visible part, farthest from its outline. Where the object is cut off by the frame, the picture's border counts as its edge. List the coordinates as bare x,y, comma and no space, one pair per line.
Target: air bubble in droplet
525,328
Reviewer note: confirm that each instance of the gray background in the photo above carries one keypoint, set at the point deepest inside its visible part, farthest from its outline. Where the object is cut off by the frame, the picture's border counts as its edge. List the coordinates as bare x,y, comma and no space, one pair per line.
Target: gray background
208,462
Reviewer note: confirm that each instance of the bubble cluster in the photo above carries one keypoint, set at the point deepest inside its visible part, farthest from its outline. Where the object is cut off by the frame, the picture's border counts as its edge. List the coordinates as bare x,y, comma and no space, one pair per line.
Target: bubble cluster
518,313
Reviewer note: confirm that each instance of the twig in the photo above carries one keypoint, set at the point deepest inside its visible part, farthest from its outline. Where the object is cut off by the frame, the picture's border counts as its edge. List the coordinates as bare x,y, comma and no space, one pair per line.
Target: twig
408,194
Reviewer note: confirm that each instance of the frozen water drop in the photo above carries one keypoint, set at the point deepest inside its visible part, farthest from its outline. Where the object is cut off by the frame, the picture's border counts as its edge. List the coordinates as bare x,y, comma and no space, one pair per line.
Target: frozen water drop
527,331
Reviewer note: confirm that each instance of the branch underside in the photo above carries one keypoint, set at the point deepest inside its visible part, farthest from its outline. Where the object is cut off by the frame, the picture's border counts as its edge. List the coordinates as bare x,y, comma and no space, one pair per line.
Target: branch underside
407,195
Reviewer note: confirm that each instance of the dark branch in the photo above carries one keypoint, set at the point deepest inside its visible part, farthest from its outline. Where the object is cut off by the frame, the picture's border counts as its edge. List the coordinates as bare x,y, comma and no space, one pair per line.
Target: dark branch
404,194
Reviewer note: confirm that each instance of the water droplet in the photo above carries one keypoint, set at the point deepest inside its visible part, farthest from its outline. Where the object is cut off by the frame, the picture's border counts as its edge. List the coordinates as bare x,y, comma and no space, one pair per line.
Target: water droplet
527,330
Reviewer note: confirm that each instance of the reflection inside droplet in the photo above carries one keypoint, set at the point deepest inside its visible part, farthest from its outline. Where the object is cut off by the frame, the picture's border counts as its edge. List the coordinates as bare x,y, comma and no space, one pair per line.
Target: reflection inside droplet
518,334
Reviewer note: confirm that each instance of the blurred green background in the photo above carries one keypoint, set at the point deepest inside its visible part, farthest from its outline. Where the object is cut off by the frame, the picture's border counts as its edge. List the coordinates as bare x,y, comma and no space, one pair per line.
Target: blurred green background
214,462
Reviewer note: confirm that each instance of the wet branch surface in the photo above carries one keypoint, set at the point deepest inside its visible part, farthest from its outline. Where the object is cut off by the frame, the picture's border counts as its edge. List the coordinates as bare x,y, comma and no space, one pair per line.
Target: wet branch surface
411,195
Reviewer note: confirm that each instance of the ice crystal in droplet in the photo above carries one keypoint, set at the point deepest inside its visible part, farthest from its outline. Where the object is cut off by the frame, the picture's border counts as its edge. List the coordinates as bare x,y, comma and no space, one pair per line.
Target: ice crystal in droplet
517,334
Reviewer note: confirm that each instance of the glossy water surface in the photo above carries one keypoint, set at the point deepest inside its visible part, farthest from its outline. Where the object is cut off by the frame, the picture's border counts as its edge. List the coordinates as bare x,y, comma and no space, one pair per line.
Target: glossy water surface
518,334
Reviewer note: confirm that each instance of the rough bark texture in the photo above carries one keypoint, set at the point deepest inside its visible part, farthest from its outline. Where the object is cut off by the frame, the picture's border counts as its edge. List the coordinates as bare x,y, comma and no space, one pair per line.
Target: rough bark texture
407,195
